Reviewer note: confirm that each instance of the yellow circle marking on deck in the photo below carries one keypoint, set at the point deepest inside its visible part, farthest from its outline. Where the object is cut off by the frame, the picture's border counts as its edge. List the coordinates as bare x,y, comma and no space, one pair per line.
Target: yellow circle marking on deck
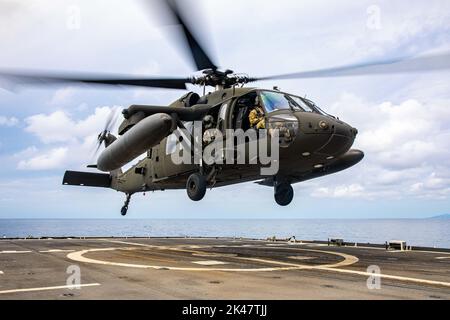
282,266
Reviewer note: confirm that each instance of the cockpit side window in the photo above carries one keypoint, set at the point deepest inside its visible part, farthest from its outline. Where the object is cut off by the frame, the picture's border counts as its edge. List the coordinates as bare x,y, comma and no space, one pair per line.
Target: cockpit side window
241,110
302,104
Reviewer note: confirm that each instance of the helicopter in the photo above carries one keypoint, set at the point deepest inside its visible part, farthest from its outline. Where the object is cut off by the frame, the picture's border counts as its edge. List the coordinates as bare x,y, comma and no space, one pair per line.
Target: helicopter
310,143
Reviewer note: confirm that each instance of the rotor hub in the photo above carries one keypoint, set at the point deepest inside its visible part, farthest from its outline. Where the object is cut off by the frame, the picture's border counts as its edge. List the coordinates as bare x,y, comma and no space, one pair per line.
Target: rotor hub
223,79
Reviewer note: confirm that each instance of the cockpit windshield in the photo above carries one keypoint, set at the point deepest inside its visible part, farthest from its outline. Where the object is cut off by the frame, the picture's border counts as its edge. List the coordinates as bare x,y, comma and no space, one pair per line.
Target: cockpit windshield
274,101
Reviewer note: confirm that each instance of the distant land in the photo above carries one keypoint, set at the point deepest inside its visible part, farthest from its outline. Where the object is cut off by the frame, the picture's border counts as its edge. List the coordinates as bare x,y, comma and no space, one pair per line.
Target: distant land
442,216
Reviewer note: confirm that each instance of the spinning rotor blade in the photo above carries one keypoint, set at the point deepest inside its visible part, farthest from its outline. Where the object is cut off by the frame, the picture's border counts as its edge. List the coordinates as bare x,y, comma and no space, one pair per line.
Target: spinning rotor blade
172,9
109,124
34,78
111,120
400,65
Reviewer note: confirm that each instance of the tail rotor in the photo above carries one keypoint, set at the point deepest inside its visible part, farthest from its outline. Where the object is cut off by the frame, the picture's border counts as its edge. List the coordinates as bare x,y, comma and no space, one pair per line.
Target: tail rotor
105,137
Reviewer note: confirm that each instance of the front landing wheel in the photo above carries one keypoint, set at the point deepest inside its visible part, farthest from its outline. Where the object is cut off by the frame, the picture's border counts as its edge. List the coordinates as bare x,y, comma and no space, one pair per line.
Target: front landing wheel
196,187
284,193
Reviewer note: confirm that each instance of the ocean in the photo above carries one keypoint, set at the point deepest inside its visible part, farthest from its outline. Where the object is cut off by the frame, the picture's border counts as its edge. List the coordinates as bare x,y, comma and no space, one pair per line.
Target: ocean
417,232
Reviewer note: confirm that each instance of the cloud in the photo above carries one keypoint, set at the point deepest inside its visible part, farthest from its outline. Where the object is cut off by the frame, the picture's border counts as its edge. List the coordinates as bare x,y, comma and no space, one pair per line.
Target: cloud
62,96
53,159
59,126
67,142
341,191
407,147
8,122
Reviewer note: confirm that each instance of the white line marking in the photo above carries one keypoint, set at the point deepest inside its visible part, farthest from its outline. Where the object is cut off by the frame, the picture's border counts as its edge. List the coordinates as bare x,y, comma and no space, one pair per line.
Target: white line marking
209,262
138,244
442,258
1,272
56,250
48,288
387,276
14,251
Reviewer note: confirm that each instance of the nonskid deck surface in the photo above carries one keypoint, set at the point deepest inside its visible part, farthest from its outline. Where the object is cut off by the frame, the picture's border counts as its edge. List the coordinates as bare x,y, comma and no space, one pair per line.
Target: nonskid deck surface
113,268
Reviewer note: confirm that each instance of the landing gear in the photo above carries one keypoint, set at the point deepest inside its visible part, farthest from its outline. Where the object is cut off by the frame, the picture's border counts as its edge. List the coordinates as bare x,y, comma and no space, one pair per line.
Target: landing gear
284,194
196,186
124,209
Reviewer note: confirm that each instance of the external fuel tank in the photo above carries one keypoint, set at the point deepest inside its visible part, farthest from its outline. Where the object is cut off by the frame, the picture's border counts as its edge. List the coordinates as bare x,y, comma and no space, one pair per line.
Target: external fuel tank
144,135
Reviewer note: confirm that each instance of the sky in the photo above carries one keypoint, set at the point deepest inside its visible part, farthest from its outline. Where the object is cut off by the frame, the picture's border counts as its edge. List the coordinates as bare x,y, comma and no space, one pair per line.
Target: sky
403,120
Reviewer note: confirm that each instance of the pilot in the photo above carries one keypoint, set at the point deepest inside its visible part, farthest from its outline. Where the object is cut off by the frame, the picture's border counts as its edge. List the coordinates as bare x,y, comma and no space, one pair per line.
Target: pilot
256,116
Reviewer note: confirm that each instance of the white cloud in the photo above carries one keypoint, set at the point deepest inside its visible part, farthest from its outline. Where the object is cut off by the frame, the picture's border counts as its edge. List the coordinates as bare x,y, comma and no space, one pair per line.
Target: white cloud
341,191
53,159
59,126
8,122
407,147
62,96
66,142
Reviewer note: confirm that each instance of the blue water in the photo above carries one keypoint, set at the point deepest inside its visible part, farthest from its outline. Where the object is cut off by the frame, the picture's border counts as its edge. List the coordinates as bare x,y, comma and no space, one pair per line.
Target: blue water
417,232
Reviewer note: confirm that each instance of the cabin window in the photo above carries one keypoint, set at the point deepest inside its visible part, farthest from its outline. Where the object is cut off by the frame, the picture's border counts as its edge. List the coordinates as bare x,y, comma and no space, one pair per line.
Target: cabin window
222,117
171,144
173,141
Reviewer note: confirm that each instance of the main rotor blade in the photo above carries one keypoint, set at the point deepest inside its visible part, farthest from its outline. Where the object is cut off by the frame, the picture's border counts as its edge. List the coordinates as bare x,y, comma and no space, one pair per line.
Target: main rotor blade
400,65
173,9
34,78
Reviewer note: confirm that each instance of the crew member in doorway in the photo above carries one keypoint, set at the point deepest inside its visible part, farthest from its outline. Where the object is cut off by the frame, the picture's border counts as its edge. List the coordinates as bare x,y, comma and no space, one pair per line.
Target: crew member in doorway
256,116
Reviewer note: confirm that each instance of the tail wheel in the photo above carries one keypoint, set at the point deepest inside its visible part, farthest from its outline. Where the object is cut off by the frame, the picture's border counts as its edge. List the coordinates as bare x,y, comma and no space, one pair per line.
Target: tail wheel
196,187
284,193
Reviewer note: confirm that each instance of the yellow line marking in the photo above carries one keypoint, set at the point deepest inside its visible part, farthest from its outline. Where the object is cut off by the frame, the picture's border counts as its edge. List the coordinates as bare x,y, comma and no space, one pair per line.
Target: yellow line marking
209,262
49,288
348,259
300,258
79,256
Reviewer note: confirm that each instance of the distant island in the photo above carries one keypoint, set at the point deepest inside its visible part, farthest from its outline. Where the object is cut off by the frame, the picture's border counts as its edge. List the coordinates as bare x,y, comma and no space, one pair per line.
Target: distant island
441,217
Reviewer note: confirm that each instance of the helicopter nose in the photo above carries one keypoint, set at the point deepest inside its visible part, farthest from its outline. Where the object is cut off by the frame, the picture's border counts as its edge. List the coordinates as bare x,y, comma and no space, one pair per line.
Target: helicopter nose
324,136
341,139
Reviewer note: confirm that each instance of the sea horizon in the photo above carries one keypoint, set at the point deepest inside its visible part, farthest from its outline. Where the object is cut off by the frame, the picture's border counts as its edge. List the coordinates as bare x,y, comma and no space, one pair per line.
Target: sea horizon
426,232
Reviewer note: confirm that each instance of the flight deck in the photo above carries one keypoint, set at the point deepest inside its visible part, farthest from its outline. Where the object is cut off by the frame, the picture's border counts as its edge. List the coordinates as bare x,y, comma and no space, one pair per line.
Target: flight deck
217,268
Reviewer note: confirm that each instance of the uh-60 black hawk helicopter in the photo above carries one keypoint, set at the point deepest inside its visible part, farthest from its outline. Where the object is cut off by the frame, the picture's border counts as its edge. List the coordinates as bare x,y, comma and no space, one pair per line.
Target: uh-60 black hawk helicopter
313,143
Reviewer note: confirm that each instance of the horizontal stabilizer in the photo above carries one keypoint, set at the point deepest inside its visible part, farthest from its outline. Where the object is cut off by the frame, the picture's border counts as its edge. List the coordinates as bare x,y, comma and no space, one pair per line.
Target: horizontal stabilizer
87,179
